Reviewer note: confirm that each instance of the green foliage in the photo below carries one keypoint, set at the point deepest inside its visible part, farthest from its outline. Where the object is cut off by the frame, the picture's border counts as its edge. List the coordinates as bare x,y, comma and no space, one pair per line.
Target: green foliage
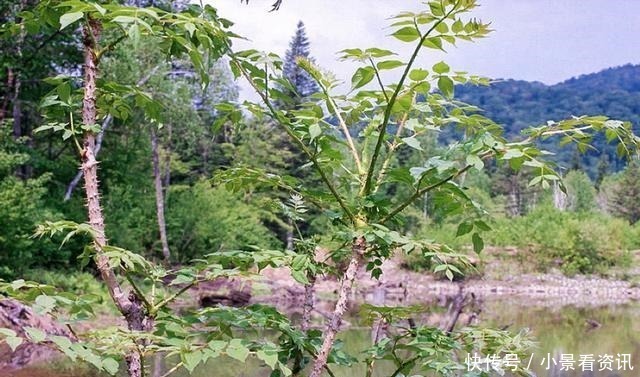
22,207
580,191
360,194
577,243
203,219
78,283
433,350
625,196
614,92
131,216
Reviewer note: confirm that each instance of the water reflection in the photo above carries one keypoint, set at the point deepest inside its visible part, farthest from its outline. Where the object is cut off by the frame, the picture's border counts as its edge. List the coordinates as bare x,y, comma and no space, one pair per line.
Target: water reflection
558,330
561,330
574,331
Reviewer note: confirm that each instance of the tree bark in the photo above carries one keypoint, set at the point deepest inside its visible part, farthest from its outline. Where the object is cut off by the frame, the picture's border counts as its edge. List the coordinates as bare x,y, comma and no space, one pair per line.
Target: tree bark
17,82
74,182
289,236
105,124
9,89
157,179
357,251
309,302
515,197
91,33
559,197
137,320
17,109
18,132
130,306
166,178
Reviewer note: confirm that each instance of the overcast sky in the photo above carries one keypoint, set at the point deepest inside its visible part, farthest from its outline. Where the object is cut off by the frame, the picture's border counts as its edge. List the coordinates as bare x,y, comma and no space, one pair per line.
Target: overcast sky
537,40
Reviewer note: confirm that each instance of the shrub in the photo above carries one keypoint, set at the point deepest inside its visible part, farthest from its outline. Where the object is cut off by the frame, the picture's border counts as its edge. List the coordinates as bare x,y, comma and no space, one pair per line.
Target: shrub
79,283
131,217
203,219
21,209
578,243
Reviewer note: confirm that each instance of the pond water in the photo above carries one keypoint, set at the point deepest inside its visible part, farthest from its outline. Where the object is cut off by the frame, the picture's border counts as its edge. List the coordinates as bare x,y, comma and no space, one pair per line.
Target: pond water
557,331
574,332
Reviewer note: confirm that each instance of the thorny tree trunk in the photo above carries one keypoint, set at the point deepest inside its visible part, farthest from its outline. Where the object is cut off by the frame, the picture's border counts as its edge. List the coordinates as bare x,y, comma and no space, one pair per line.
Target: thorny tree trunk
137,320
130,305
307,307
105,125
74,182
357,251
157,179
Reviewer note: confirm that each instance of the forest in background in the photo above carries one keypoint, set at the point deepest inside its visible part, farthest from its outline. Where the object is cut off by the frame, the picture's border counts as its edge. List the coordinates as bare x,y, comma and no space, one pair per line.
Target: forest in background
520,104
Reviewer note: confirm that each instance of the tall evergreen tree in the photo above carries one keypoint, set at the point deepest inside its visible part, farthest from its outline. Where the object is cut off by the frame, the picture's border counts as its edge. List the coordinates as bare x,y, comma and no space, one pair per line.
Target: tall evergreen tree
625,202
299,47
302,86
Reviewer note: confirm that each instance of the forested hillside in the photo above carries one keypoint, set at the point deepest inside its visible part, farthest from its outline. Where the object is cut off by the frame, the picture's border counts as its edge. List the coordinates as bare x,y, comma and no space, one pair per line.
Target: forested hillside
516,104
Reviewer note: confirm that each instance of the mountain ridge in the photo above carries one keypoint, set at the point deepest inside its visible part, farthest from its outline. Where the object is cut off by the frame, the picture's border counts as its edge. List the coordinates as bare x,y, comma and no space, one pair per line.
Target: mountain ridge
518,104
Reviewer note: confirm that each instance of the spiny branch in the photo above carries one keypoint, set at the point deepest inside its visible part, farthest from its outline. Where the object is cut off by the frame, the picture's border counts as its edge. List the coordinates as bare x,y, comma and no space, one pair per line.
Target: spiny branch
105,125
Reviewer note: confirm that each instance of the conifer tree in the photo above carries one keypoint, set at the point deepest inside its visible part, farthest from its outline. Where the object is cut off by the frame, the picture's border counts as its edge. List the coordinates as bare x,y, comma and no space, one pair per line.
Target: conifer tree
302,86
625,202
299,48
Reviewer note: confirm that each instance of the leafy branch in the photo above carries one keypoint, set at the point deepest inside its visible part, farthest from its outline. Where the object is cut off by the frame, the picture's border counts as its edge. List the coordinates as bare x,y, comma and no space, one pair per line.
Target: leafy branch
285,123
366,188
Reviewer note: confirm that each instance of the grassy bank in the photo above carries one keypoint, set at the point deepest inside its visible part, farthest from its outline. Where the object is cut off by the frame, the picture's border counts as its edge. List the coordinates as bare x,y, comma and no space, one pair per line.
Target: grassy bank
574,242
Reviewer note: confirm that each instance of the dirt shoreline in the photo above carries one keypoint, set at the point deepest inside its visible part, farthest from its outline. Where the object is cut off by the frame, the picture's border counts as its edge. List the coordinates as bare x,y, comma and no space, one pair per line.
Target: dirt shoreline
400,286
397,286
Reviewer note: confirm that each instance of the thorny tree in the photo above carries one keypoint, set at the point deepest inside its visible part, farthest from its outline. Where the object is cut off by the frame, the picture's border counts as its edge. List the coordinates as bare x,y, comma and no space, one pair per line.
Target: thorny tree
350,141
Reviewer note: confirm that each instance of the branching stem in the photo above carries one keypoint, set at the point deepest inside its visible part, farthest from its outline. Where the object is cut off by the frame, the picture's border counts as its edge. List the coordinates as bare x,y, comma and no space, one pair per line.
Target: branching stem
366,187
284,123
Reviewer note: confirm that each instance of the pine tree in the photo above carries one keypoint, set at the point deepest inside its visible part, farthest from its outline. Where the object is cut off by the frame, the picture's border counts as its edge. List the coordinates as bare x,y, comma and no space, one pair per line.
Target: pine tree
299,47
302,86
625,202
